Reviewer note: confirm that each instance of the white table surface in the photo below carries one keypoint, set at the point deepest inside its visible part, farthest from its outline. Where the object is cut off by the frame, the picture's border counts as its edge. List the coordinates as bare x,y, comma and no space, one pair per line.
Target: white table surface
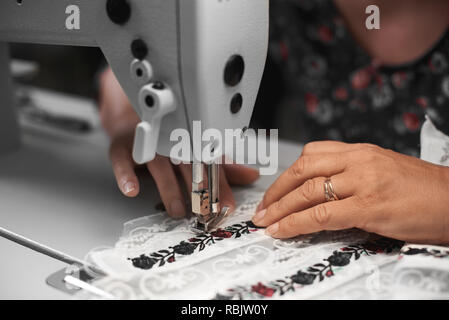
58,189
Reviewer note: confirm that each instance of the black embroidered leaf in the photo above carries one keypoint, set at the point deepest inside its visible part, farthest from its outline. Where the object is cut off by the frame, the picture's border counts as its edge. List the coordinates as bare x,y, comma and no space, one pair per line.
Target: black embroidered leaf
339,259
312,269
303,278
185,248
281,281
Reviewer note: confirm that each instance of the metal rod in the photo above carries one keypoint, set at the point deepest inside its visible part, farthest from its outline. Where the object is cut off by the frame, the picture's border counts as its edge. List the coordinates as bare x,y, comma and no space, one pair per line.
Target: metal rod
197,175
214,178
88,287
33,245
210,185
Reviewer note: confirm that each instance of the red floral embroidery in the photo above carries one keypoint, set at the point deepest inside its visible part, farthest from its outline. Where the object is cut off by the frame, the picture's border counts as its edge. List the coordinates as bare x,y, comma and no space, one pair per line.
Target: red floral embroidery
325,34
361,79
312,102
422,102
263,290
341,94
411,121
399,78
220,233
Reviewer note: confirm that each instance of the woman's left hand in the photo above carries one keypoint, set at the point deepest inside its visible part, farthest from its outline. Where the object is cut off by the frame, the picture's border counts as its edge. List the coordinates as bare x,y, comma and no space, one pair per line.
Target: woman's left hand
379,191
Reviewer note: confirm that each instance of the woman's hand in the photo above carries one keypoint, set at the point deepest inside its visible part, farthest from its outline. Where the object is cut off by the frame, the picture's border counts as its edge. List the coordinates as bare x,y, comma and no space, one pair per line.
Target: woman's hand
379,191
120,120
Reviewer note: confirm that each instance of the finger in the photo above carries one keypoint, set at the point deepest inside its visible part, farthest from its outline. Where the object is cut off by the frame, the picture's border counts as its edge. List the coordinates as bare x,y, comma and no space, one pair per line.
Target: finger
240,175
334,215
306,196
305,168
186,172
226,196
326,147
323,147
167,184
123,167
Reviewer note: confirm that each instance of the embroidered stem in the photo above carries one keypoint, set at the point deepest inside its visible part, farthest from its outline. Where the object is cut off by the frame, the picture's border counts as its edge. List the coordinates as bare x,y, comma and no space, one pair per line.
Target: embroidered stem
192,245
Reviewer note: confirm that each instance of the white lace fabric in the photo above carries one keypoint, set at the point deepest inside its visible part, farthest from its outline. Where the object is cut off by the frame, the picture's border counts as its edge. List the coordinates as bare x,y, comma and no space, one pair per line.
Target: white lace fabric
248,266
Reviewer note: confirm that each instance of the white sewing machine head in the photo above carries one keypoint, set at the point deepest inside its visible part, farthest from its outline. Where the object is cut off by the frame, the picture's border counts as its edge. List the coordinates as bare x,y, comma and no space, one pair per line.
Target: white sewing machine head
177,60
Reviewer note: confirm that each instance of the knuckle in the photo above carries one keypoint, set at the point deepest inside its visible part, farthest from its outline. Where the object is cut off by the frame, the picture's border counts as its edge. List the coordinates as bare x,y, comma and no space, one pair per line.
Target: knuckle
368,146
291,223
308,148
307,190
320,215
274,208
298,168
364,156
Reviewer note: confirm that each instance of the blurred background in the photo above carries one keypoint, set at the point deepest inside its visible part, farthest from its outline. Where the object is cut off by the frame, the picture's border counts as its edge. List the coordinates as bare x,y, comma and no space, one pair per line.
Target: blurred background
61,68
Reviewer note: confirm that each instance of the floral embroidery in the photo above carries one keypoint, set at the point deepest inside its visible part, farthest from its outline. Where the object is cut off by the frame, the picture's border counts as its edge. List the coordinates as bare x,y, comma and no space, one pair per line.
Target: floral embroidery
427,252
192,245
319,271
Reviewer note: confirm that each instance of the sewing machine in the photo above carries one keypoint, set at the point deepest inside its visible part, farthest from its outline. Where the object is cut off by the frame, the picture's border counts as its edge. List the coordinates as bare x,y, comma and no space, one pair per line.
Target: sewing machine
178,61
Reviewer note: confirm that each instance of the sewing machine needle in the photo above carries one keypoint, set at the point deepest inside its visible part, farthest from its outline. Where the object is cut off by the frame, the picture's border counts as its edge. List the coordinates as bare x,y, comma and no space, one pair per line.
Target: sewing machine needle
33,245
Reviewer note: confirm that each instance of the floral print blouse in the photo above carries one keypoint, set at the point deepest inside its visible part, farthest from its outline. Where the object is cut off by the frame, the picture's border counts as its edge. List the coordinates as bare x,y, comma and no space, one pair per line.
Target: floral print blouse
330,88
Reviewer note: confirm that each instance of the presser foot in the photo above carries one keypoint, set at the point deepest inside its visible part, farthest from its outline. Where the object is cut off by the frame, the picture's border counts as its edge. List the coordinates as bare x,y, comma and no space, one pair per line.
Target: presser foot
200,226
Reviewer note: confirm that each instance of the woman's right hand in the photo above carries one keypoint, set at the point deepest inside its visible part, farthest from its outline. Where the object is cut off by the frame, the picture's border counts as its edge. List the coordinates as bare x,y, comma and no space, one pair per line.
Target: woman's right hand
120,120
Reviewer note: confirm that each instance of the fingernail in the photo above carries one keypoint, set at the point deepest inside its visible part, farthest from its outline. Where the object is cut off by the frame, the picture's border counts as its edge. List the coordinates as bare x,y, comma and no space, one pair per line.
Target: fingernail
271,230
259,206
177,209
129,187
259,215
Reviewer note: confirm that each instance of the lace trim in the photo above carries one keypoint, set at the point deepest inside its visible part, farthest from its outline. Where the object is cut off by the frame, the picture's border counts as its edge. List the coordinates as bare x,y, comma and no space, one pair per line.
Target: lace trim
318,271
196,244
